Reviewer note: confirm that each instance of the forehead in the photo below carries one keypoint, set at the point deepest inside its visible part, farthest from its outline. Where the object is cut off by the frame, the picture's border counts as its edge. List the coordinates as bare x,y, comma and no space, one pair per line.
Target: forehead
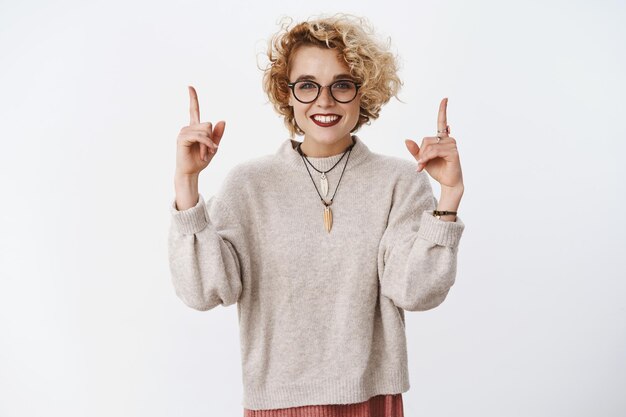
322,63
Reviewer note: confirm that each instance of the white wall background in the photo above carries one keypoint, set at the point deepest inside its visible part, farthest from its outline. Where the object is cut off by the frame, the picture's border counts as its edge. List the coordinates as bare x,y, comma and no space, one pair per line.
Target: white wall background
93,94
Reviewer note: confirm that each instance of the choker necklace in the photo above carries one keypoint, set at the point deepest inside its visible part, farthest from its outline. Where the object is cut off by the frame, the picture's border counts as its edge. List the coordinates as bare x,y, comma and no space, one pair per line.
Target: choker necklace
328,214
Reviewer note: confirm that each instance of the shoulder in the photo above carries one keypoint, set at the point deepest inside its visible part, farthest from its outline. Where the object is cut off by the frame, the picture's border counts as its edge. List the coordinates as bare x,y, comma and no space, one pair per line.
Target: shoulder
400,171
239,186
394,162
246,178
410,191
249,171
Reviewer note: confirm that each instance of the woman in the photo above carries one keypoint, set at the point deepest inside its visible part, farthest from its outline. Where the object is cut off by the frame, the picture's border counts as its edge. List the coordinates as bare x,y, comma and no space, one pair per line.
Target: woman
323,244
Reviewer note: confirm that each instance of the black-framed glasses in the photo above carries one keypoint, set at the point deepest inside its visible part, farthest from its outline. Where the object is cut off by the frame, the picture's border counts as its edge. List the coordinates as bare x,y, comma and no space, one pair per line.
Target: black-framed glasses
307,91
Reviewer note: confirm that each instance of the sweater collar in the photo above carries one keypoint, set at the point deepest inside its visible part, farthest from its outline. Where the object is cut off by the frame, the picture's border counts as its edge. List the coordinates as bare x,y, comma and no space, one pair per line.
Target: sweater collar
288,153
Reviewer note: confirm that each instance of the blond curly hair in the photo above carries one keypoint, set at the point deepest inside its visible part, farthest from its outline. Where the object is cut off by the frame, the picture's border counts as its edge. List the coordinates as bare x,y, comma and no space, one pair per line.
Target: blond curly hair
370,62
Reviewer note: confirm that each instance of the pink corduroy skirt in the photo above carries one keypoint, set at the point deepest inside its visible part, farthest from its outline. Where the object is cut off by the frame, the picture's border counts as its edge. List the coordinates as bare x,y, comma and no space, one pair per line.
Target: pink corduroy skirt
389,405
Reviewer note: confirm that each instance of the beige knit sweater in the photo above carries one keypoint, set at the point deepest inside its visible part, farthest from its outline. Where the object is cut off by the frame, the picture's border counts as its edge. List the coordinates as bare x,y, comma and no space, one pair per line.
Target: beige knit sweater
321,315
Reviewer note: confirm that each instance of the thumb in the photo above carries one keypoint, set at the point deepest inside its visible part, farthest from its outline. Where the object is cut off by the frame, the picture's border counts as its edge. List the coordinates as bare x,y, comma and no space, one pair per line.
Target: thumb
412,147
218,131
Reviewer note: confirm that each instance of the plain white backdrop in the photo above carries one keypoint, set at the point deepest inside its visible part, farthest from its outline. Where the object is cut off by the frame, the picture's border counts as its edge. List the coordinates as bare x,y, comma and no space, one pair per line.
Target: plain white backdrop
93,95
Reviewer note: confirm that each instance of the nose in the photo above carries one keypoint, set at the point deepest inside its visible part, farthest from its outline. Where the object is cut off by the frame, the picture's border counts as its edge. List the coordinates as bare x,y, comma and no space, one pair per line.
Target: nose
325,98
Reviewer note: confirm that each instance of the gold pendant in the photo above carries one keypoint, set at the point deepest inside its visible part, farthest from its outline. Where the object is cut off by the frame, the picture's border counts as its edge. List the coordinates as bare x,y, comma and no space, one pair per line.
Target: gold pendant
328,218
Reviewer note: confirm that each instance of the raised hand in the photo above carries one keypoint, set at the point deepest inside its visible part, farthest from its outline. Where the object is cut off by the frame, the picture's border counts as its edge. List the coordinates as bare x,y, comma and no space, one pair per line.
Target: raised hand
439,157
197,143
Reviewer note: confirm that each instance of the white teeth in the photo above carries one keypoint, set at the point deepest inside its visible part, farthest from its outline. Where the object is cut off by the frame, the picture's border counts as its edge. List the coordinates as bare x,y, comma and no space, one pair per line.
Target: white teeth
326,119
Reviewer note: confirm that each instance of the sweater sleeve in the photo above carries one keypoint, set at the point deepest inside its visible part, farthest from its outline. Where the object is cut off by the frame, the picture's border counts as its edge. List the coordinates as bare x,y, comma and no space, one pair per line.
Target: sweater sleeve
417,256
206,249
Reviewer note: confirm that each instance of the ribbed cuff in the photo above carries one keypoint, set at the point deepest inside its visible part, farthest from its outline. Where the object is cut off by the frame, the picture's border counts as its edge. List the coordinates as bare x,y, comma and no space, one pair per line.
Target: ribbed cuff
439,231
191,220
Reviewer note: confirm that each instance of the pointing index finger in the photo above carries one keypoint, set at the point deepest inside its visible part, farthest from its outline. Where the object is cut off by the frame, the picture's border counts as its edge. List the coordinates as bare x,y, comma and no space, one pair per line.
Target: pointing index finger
194,108
442,119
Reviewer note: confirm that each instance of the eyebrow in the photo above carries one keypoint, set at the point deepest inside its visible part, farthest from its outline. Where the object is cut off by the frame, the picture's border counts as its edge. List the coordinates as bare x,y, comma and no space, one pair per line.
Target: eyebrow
337,77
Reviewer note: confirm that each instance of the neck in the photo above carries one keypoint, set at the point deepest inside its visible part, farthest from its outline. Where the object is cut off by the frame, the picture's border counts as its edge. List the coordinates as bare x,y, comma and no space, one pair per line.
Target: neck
318,150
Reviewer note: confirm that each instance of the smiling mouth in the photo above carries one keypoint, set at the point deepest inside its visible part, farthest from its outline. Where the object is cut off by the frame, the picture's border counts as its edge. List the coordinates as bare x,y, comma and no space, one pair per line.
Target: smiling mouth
326,120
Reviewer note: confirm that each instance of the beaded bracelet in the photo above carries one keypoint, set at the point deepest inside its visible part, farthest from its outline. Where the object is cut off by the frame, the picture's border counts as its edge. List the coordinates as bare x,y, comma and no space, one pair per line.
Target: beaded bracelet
438,213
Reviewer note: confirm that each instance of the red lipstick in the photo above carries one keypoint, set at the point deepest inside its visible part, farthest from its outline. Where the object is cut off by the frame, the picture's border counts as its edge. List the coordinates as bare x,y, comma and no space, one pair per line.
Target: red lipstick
322,124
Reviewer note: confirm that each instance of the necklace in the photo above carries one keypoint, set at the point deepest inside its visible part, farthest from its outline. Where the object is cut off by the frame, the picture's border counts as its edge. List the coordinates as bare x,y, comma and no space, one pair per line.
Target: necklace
328,214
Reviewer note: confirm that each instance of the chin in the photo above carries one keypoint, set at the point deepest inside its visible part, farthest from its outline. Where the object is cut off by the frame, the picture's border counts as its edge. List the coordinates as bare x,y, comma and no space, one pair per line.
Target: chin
327,135
327,139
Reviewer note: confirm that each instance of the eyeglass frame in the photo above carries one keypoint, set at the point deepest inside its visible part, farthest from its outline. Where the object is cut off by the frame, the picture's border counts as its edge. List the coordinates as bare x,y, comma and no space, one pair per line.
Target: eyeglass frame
320,87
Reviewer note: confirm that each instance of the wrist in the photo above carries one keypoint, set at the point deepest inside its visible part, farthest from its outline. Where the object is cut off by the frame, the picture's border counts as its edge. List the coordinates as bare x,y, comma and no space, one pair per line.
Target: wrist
449,201
185,179
186,189
456,191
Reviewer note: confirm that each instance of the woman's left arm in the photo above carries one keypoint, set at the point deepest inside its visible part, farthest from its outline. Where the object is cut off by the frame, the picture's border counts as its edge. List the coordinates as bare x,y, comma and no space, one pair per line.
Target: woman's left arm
417,255
417,259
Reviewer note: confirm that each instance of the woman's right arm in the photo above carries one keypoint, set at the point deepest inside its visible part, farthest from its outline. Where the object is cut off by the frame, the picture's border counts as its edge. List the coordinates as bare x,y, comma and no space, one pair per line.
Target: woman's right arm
207,253
206,244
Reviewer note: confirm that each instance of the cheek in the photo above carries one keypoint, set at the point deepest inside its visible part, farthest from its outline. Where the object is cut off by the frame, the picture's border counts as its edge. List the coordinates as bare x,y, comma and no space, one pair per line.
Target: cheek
354,115
298,113
355,111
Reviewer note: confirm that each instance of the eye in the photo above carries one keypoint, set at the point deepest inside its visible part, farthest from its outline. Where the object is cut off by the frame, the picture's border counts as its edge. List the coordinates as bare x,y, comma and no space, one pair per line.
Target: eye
343,85
306,85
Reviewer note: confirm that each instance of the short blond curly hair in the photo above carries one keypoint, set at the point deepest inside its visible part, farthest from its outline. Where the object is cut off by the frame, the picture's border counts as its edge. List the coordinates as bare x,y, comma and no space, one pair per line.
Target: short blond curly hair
370,62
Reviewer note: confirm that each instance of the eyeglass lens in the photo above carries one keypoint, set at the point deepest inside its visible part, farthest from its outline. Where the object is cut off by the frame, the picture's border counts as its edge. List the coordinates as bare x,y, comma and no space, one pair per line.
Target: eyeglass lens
342,91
